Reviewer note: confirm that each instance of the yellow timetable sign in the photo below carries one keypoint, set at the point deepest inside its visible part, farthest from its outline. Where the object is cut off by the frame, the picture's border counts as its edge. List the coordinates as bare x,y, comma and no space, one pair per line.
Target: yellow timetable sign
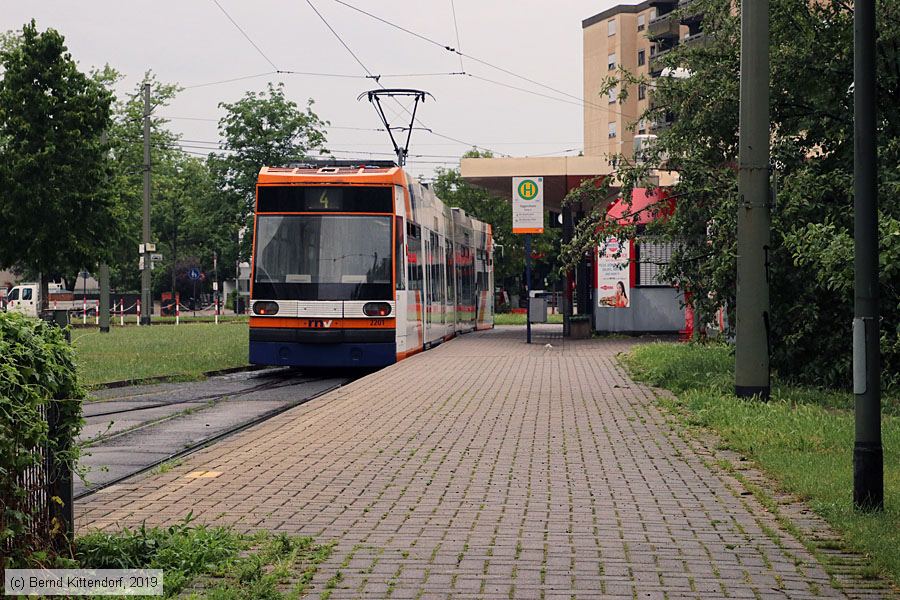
528,204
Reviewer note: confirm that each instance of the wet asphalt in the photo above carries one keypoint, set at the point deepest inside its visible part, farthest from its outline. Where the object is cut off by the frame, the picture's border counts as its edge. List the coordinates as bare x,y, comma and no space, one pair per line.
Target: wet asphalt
128,430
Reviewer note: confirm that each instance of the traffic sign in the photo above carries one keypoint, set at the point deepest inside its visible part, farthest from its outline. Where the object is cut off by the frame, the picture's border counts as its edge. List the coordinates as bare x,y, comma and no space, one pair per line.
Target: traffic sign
528,204
194,273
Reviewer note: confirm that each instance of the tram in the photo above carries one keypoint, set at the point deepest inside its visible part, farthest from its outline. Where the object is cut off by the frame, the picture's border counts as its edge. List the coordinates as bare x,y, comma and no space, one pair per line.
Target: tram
356,264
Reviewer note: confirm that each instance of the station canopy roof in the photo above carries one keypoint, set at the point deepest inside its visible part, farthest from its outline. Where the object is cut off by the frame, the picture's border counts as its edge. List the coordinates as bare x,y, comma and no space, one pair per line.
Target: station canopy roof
560,173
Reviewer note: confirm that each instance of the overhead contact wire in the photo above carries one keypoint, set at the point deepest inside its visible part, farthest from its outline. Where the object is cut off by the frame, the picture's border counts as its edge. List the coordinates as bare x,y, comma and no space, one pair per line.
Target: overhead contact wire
244,33
378,82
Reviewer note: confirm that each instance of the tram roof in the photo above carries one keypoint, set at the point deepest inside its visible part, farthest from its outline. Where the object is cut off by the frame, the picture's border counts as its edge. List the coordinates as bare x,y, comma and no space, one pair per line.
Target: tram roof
336,171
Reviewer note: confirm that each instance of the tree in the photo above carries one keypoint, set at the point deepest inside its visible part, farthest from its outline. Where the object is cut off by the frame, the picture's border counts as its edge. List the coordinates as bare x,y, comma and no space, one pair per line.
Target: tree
810,259
54,170
259,130
127,153
183,195
509,258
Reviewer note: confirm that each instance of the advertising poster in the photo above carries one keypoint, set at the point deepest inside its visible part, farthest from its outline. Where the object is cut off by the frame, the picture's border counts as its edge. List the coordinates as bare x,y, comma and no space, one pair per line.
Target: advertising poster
613,273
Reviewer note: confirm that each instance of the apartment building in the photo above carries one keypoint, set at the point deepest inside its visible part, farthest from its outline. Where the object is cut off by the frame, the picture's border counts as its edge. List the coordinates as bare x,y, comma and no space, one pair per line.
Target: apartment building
633,37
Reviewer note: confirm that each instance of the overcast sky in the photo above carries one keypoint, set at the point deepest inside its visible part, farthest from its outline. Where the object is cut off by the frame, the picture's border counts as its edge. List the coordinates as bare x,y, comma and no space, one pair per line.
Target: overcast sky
193,42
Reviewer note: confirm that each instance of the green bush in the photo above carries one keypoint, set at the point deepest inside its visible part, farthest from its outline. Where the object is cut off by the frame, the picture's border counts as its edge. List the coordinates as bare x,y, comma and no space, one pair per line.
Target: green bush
37,369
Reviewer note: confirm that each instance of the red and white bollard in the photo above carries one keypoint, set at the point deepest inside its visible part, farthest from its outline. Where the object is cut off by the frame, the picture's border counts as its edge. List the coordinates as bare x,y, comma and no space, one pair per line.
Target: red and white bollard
121,313
139,312
84,311
97,314
217,309
177,312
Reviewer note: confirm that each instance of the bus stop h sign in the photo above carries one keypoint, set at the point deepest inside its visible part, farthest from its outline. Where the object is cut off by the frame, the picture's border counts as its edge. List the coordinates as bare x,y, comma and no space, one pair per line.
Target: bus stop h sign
528,204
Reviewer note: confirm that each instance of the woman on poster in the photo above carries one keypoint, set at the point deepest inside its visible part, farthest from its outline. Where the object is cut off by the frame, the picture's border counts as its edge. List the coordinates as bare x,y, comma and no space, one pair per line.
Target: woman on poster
619,299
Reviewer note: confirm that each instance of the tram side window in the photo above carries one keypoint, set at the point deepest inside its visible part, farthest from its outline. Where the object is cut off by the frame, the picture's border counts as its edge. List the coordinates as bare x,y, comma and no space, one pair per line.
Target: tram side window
434,265
426,268
451,285
399,271
481,276
414,256
466,277
443,276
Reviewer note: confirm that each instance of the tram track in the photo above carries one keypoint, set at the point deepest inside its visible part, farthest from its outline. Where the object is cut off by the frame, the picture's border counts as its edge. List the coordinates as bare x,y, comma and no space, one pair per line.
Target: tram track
154,442
198,400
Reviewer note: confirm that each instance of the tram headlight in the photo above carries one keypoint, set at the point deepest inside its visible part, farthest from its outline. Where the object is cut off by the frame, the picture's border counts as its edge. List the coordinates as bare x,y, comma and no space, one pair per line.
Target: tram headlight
377,309
265,308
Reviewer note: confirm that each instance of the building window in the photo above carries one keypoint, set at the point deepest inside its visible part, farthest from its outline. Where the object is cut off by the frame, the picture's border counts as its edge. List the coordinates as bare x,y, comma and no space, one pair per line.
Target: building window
652,13
611,61
642,22
642,57
652,50
613,95
642,91
612,130
611,27
653,256
642,127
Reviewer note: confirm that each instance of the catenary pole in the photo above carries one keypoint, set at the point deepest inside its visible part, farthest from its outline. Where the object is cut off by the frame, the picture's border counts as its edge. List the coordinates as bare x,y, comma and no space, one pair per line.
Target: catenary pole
751,370
868,457
174,247
145,272
103,309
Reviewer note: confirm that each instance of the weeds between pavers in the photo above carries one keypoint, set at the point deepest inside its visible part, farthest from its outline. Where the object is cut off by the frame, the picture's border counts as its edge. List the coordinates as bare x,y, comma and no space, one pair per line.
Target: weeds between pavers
213,563
802,438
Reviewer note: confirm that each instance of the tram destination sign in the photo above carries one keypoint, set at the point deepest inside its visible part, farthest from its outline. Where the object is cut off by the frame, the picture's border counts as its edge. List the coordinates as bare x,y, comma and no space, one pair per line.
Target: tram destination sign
528,204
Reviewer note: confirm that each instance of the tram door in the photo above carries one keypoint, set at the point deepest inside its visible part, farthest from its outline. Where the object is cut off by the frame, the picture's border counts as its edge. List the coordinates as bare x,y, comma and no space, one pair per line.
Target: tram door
450,302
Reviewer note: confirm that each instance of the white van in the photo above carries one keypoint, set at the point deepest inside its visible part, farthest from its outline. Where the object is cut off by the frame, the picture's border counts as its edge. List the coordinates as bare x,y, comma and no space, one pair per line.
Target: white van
26,299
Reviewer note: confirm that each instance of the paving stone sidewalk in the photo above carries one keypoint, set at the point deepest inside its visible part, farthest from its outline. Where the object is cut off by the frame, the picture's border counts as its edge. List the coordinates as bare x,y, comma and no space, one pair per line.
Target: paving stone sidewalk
486,468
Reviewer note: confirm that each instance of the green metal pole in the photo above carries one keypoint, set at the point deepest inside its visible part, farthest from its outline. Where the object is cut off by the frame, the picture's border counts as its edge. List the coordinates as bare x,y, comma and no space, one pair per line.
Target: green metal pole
146,300
528,288
104,298
751,369
868,456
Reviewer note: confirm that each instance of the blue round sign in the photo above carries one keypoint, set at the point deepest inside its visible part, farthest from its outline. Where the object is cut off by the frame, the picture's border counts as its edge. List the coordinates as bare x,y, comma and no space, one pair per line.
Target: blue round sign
194,273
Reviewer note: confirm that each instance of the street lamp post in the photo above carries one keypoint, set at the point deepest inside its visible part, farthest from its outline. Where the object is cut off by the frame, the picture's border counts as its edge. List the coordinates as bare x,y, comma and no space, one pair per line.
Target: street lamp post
868,455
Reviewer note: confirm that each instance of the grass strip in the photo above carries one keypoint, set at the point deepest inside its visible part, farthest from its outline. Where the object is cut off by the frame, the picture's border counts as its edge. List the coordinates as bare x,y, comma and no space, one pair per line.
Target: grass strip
519,319
803,439
213,563
182,353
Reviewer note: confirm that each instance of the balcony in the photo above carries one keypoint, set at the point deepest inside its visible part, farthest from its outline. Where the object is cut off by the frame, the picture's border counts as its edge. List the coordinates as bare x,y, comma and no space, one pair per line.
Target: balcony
690,14
660,123
656,63
666,26
698,40
664,7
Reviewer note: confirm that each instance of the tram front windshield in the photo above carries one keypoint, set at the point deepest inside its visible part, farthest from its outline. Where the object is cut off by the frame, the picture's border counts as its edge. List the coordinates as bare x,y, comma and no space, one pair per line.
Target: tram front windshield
323,257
